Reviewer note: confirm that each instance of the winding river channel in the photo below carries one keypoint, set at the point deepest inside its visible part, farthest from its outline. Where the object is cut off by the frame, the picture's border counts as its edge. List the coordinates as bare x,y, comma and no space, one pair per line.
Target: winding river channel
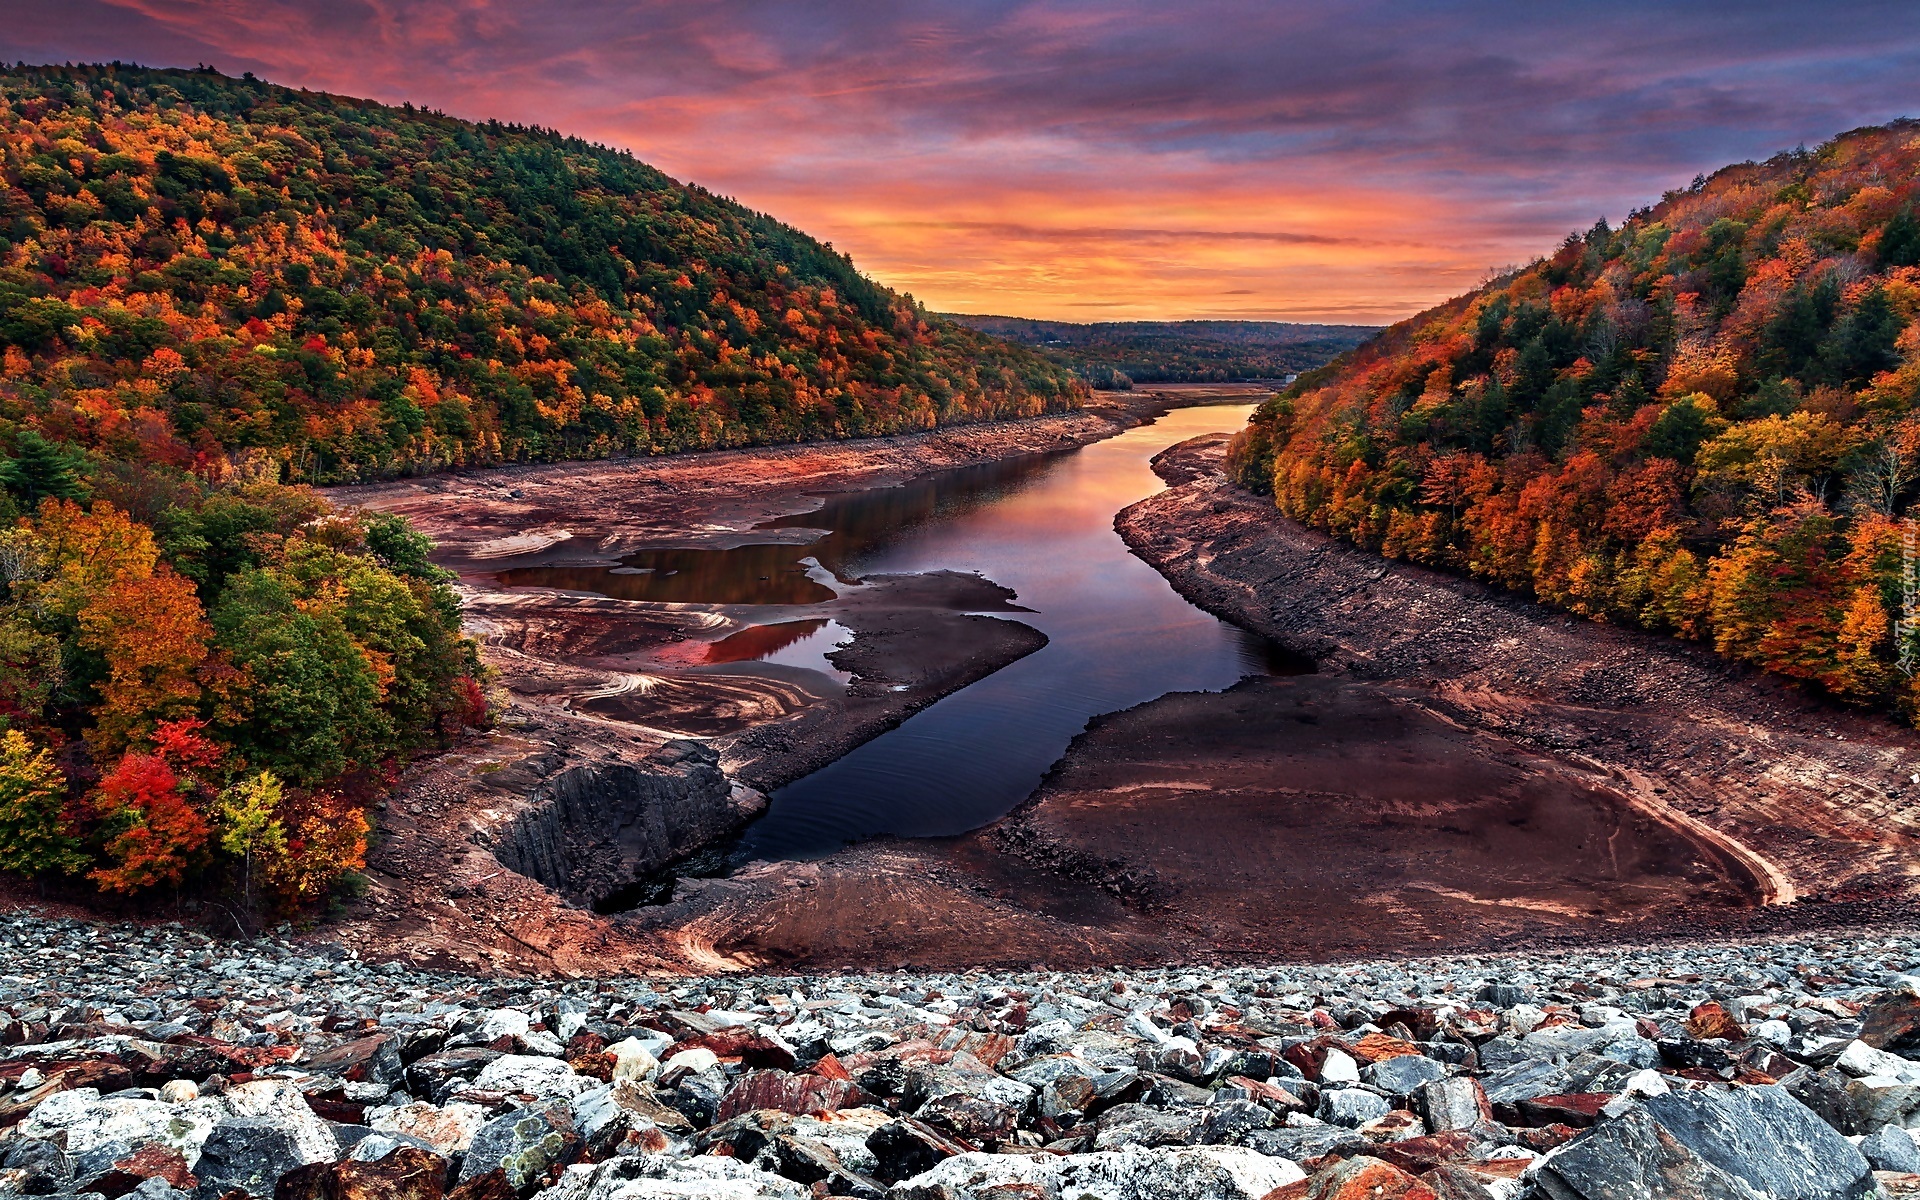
1118,635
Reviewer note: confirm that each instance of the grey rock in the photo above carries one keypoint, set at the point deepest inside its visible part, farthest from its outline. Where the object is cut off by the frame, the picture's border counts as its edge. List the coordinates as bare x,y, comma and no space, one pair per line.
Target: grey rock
1891,1149
1401,1075
1351,1107
1767,1138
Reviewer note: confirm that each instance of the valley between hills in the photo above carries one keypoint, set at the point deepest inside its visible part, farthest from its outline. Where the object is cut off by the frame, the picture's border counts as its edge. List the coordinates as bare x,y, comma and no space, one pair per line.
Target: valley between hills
1459,769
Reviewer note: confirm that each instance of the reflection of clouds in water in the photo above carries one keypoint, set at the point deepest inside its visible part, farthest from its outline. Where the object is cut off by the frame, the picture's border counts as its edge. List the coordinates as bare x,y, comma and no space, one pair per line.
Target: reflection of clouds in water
788,643
1118,636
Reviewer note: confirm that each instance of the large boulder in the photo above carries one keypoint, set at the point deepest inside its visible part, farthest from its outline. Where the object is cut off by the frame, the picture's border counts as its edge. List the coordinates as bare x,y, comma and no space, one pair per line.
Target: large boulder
1765,1137
1633,1158
531,1145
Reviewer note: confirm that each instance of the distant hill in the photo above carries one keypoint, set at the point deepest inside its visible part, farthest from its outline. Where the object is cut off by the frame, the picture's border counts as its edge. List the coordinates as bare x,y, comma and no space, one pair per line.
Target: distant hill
1705,422
195,269
1117,353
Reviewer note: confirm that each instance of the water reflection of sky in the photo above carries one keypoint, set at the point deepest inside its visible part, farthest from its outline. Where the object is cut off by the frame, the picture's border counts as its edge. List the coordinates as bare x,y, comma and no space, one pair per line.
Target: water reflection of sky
1118,636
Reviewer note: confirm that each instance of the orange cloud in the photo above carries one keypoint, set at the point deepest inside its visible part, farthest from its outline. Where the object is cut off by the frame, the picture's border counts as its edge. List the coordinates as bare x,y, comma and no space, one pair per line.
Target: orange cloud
1352,160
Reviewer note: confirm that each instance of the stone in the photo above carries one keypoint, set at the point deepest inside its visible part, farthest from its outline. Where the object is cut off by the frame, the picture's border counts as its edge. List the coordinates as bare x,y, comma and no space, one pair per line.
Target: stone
1138,1125
1891,1149
1229,1123
84,1123
1449,1182
1455,1103
365,1060
1524,1081
1175,1173
408,1173
1633,1158
448,1129
661,1177
1764,1136
1710,1020
964,1176
1577,1110
1402,1074
1351,1107
280,1101
906,1147
531,1075
528,1145
249,1154
787,1093
633,1060
437,1076
43,1167
1365,1178
1892,1022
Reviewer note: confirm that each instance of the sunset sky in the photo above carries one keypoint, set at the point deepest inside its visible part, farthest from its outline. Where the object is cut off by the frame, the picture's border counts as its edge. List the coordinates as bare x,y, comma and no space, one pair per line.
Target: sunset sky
1125,159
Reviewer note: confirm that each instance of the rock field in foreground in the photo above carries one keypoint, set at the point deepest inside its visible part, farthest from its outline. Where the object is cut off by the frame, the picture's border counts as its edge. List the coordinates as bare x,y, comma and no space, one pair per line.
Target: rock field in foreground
158,1063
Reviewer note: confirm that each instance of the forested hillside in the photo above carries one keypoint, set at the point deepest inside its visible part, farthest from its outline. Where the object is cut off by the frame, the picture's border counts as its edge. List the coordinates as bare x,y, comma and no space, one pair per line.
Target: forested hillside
213,274
214,291
1702,422
1118,354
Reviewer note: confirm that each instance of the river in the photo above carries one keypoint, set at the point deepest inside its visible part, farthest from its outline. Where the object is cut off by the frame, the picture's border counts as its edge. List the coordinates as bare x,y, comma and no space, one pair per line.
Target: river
1118,635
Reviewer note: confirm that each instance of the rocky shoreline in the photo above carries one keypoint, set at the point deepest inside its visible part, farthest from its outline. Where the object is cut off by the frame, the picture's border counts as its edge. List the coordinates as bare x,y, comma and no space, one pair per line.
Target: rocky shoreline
158,1063
1816,801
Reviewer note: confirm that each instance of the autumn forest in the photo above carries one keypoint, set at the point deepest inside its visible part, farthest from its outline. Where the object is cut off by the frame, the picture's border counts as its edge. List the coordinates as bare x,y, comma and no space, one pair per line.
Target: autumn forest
215,292
1701,423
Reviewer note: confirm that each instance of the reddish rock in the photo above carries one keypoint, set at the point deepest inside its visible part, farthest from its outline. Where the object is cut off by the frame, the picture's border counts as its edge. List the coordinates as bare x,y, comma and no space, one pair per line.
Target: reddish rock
408,1173
1423,1023
1579,1110
1892,1022
989,1048
491,1186
782,1092
1365,1178
1378,1047
364,1060
1546,1137
754,1050
1308,1057
830,1067
152,1161
1269,1094
1709,1020
1424,1153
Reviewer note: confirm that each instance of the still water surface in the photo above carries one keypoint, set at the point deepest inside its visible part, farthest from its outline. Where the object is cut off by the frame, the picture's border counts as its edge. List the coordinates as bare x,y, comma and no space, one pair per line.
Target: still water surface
1118,634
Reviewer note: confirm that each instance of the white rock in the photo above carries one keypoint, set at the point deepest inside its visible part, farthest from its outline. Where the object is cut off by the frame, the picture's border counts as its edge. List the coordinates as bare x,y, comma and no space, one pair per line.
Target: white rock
1174,1173
966,1174
448,1129
179,1091
89,1122
1339,1068
660,1177
696,1060
1861,1060
505,1022
281,1101
1777,1033
530,1074
633,1060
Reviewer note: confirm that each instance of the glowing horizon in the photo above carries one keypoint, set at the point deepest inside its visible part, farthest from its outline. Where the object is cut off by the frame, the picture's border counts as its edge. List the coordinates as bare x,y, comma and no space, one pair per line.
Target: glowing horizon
1347,163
